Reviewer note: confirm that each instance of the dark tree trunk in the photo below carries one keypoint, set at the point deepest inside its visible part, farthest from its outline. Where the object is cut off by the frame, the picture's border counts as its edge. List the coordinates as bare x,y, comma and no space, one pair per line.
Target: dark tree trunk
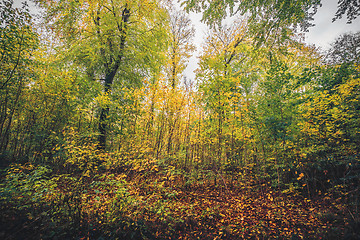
112,66
104,112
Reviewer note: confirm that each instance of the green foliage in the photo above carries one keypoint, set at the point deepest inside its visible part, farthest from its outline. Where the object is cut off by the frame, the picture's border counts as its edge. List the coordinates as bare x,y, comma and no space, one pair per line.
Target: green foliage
80,155
25,185
18,42
343,49
351,9
285,11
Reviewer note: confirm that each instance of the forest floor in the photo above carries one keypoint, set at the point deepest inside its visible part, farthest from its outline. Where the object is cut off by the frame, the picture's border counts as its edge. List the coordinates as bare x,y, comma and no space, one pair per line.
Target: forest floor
240,210
160,206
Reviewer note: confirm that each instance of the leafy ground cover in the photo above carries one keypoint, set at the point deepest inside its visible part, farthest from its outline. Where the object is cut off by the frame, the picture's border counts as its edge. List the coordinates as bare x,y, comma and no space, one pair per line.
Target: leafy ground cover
152,202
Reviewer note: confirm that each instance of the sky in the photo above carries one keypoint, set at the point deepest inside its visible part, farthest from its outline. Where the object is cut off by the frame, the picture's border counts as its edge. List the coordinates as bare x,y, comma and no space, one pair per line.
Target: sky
322,34
325,31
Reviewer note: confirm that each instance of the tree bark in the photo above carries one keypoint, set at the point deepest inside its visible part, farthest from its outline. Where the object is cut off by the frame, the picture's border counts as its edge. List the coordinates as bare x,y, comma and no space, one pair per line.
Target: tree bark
112,67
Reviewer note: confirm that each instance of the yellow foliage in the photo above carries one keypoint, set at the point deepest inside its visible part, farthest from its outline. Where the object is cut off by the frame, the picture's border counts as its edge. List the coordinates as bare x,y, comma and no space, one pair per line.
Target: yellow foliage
103,100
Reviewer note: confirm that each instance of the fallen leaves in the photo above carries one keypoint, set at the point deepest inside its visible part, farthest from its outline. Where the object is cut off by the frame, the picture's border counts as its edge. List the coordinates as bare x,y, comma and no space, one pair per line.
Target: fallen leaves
169,209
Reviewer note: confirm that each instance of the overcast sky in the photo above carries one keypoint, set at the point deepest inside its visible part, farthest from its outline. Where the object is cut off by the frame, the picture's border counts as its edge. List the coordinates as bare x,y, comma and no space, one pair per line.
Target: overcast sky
322,34
325,31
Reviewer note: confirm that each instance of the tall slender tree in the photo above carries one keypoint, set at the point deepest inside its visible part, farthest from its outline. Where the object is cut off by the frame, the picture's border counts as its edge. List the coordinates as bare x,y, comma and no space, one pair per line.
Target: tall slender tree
102,36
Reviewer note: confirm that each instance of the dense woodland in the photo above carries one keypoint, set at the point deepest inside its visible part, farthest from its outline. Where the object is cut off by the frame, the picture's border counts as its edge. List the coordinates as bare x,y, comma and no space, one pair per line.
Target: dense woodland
103,137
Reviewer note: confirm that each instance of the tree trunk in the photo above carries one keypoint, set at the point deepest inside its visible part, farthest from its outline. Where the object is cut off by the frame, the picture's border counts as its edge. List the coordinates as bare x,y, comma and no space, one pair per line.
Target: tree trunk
111,67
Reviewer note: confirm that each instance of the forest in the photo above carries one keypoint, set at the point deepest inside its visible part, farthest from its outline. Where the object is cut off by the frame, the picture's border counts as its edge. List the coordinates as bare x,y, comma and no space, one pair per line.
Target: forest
103,136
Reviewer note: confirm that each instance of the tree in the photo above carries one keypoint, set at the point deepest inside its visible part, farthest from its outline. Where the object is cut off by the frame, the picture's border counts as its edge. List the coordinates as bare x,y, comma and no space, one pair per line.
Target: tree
102,37
180,47
224,52
345,49
269,17
349,7
18,42
266,17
